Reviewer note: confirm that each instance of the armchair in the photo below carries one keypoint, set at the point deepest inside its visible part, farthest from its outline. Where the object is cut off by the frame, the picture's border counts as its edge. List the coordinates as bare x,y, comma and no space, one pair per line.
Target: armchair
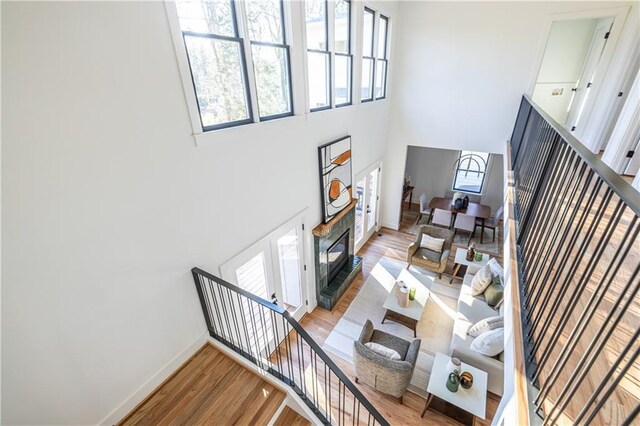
388,376
430,259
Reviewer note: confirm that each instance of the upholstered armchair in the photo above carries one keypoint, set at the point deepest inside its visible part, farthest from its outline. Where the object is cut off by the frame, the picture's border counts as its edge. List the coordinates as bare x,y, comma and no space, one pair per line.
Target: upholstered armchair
388,376
430,259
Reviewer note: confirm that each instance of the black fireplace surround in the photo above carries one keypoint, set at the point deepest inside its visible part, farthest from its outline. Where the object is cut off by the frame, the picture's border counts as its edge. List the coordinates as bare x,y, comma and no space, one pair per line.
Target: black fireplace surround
338,255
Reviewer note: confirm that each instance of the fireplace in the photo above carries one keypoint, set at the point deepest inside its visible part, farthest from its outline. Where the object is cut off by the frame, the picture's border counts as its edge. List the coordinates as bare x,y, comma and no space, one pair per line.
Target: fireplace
337,255
336,265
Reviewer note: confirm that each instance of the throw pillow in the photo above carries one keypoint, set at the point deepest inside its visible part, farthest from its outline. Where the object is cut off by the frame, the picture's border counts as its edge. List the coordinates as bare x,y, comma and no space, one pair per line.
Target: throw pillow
496,269
485,325
494,293
481,280
489,343
431,243
383,350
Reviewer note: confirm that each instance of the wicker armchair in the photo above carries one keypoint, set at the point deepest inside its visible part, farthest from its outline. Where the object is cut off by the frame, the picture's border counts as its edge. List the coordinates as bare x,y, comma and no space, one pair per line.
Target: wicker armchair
383,374
430,259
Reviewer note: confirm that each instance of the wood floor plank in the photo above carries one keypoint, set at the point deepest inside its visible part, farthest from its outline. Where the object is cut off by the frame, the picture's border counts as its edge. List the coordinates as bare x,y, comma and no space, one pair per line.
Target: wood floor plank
289,417
210,388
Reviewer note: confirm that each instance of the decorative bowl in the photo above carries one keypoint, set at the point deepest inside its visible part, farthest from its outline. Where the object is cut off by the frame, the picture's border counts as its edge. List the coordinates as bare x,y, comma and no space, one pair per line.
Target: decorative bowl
466,380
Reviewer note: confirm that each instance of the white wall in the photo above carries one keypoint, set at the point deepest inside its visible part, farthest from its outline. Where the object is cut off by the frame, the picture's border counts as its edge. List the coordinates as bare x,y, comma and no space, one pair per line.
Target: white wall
431,172
461,70
107,203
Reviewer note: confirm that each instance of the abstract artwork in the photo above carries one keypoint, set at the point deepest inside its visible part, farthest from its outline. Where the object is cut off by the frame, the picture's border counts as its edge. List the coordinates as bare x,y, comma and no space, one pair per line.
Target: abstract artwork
335,176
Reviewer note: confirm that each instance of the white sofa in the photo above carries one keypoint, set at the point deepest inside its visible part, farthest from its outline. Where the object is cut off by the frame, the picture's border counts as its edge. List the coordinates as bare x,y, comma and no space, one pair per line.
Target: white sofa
471,310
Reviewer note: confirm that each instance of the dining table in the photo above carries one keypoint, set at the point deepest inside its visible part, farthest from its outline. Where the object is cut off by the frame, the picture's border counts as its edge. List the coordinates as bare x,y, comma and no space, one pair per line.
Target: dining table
480,211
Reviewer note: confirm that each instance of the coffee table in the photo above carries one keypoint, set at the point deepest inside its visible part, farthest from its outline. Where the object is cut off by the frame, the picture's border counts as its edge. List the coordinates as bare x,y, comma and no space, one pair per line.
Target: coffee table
472,400
461,259
410,315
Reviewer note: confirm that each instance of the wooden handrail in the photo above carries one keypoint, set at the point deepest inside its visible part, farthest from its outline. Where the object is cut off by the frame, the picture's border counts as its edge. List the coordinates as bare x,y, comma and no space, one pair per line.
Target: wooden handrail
520,375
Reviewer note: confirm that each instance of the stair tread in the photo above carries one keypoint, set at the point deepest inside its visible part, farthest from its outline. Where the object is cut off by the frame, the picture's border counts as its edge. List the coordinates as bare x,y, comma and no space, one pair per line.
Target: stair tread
289,417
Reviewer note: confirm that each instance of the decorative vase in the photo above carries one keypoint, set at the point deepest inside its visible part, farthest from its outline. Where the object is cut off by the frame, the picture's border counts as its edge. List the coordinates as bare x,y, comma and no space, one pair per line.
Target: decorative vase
403,296
465,201
412,293
478,257
453,382
471,252
466,380
453,366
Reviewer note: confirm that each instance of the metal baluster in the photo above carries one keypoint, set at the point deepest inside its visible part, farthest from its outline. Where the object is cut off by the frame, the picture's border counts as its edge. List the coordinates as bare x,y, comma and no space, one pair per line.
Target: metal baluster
592,352
584,320
615,383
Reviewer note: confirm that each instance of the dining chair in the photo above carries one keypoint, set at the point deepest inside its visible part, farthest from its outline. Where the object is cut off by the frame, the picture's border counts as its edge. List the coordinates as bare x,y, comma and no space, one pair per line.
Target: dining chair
492,222
424,208
474,198
465,222
442,218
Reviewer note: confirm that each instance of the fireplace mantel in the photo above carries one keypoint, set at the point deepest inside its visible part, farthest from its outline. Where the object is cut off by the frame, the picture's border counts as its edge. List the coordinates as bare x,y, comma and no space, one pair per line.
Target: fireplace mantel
324,228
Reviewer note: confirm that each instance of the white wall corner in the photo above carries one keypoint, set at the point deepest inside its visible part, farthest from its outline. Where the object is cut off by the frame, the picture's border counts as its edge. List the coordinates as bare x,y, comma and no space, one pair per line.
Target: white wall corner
154,381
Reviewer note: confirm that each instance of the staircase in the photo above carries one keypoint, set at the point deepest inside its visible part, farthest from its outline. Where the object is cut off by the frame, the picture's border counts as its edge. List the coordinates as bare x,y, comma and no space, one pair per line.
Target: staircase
211,388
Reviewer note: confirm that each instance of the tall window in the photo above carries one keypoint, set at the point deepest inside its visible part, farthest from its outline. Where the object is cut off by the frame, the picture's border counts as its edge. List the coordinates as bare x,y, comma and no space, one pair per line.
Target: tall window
218,60
381,63
471,169
368,61
343,59
318,55
270,54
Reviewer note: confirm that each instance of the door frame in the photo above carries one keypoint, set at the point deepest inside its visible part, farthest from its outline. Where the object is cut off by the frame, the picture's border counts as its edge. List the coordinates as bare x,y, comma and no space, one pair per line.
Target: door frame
366,173
619,15
268,244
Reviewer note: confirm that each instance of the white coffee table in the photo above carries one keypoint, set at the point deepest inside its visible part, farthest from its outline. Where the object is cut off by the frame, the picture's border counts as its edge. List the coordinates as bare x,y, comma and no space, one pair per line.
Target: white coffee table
410,315
472,400
461,259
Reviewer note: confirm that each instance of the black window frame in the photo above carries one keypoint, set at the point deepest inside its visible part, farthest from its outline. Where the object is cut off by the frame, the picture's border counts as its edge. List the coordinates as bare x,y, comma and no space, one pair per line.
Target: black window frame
326,52
348,54
384,58
285,46
245,75
372,58
460,169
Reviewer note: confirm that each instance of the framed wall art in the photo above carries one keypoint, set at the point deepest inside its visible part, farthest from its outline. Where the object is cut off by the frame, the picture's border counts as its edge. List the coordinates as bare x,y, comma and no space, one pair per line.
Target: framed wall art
335,177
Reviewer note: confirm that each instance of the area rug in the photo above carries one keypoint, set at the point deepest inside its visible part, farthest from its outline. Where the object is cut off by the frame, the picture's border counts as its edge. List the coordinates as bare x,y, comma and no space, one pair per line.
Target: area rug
434,328
463,239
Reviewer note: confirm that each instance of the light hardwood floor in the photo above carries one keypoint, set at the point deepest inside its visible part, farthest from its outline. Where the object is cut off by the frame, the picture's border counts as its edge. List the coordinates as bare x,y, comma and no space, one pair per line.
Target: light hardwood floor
210,388
320,322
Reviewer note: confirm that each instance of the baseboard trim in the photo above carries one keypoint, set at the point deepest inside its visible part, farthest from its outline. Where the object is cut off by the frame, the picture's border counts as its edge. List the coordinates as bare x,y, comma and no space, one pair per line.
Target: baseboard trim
154,382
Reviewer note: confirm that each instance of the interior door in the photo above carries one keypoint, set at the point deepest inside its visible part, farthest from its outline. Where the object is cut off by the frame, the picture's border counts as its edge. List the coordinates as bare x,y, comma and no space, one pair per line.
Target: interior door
598,43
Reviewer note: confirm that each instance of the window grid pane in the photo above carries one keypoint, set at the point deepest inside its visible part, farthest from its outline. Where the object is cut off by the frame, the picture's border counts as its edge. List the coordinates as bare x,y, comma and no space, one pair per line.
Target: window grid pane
470,171
319,84
367,36
271,66
381,78
207,17
367,79
342,27
316,23
218,79
343,73
382,37
265,21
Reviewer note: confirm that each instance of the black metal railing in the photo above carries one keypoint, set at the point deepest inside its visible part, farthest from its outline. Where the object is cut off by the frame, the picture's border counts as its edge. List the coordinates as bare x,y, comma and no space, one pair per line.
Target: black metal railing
267,335
579,258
